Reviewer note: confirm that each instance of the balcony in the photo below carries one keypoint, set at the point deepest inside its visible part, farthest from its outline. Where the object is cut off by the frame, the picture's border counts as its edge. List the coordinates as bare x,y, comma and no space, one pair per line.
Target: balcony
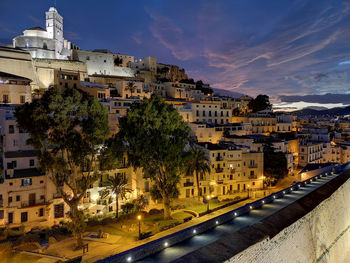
220,181
255,165
232,171
187,184
33,203
56,196
219,158
219,170
252,177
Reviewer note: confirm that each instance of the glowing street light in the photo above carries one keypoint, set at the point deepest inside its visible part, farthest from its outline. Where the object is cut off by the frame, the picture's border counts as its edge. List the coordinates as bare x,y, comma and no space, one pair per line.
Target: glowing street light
166,244
139,219
208,199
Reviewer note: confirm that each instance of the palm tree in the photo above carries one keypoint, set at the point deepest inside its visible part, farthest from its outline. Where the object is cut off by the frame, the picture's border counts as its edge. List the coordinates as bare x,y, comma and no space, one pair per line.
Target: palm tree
118,185
198,163
131,87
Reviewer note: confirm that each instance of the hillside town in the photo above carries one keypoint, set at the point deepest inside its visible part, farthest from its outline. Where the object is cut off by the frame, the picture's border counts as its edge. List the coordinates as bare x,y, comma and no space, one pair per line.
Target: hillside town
250,148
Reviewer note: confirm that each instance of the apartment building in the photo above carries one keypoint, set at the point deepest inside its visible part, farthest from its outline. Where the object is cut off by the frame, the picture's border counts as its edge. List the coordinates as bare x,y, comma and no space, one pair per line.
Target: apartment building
336,152
132,88
310,152
14,89
263,122
234,169
28,196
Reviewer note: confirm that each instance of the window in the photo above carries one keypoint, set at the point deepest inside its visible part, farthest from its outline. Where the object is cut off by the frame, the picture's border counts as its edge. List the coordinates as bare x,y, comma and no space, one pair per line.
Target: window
59,211
41,181
26,181
5,98
42,197
18,198
31,162
1,214
11,129
10,199
24,216
22,99
41,212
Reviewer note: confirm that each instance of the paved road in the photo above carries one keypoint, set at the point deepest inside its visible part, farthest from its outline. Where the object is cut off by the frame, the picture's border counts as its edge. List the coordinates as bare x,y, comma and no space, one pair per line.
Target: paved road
178,250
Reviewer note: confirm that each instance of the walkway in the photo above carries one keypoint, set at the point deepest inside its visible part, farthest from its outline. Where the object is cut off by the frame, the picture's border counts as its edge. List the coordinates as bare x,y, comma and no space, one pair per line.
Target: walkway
178,250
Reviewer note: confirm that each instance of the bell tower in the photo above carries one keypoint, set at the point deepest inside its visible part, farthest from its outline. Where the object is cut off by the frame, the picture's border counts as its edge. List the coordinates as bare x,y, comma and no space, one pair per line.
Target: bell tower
54,28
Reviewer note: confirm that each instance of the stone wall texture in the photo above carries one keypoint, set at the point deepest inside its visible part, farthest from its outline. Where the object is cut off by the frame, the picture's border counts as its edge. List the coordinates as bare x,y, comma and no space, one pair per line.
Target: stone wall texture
322,235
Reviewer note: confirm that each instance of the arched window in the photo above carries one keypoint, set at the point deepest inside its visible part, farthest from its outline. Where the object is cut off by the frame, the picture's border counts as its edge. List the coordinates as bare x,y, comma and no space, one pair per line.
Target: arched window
44,46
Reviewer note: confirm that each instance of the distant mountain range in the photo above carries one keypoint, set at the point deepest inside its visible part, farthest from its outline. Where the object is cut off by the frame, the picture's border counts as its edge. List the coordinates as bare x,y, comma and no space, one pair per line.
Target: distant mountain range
224,92
325,98
333,111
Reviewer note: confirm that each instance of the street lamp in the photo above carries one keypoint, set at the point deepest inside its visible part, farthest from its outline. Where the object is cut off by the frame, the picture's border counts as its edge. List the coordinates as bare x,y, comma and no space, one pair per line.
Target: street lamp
139,219
208,199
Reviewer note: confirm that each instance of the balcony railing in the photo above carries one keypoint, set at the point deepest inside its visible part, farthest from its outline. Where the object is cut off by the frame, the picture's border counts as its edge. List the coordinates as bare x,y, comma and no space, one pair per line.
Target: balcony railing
219,158
56,196
220,181
219,170
33,203
252,177
253,165
188,184
232,171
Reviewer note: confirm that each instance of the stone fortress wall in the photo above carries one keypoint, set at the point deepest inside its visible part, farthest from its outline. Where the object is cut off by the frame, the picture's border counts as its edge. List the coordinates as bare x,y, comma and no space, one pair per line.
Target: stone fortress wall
322,235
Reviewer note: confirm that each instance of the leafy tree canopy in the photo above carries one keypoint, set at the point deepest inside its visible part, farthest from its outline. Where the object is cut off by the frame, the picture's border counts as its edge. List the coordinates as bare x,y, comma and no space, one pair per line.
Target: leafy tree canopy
155,136
68,130
261,102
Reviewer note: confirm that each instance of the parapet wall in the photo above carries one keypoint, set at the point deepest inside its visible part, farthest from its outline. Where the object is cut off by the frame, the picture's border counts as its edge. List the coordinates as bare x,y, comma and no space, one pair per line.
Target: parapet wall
322,235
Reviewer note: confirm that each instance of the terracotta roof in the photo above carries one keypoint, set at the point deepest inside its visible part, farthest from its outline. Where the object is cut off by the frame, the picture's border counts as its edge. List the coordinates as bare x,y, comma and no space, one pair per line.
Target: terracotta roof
38,28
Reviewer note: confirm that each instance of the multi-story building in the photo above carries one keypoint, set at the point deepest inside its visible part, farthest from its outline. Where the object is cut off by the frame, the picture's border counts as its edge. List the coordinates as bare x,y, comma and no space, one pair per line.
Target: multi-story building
14,89
132,89
263,122
234,169
28,195
104,63
310,152
336,152
148,63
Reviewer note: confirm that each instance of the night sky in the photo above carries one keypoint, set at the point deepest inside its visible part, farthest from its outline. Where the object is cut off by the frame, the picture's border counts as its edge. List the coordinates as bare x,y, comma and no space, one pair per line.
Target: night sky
276,47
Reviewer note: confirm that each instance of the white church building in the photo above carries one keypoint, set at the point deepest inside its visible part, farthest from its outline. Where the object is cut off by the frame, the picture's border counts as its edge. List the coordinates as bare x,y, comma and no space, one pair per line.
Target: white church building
46,43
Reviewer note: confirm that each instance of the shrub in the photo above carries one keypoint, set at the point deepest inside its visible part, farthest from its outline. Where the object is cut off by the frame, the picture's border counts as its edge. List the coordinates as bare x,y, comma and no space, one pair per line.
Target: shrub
127,208
236,198
155,212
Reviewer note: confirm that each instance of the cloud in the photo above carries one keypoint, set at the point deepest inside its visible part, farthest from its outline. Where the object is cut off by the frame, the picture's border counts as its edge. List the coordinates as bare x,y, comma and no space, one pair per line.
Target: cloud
70,35
292,57
7,29
171,36
37,20
137,37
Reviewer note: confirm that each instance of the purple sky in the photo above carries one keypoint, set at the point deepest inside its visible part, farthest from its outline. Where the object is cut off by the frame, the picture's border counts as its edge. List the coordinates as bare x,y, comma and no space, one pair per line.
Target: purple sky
248,46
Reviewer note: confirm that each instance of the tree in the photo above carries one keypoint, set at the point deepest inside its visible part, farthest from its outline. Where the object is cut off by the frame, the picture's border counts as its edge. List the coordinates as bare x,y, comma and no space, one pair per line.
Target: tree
68,131
197,163
155,135
118,185
261,102
130,87
275,163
